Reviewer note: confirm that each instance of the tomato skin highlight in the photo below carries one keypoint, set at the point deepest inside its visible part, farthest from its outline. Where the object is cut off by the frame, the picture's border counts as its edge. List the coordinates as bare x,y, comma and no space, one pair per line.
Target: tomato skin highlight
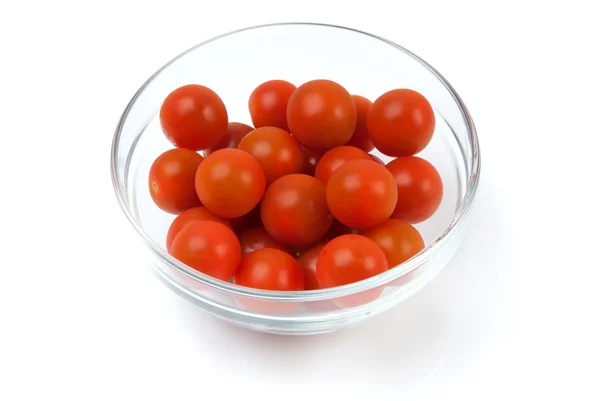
420,188
399,240
268,104
294,210
321,115
258,238
335,158
361,194
276,151
235,133
193,117
348,259
401,122
360,138
230,182
190,215
209,247
171,180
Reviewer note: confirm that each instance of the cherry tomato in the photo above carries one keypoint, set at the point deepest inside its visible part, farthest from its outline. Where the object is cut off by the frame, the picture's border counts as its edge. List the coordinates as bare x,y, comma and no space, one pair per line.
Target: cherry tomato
193,117
268,104
257,238
249,220
194,214
276,151
311,158
209,247
269,269
171,180
420,188
361,194
294,210
399,240
376,159
348,259
230,182
360,137
235,133
321,115
336,157
308,263
401,122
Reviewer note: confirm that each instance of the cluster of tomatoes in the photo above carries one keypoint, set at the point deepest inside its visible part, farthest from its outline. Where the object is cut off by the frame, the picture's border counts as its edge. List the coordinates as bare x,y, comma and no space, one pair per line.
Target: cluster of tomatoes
295,202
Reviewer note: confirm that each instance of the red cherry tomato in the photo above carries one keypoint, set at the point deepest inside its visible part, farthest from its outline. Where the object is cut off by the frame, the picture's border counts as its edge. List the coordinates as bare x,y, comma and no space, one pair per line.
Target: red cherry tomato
361,194
193,117
401,122
321,115
361,138
399,240
336,157
348,259
171,180
311,158
420,188
269,269
209,247
235,133
194,214
276,151
230,182
308,263
268,104
294,210
257,238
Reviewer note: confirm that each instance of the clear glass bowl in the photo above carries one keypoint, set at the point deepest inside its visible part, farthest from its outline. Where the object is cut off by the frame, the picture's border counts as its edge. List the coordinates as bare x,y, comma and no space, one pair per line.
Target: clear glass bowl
233,65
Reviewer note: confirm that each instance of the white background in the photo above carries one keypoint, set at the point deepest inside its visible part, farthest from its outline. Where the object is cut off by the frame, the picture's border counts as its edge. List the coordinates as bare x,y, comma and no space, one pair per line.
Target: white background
516,313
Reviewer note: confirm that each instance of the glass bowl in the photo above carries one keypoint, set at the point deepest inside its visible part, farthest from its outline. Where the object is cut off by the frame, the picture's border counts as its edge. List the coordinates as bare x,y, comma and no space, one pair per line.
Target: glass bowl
233,65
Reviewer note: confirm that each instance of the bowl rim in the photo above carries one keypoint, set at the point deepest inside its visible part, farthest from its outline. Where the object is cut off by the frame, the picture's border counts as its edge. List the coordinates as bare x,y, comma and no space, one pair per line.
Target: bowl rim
309,295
